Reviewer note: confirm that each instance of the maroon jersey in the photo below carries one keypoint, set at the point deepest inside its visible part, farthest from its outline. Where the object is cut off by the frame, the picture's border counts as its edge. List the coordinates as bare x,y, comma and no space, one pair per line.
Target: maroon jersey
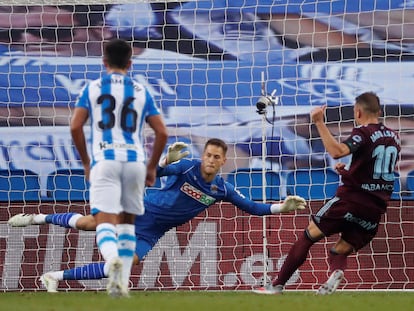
375,150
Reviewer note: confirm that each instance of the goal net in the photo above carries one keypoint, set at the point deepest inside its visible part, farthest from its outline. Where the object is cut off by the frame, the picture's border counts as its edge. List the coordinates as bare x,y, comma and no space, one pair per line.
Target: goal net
207,63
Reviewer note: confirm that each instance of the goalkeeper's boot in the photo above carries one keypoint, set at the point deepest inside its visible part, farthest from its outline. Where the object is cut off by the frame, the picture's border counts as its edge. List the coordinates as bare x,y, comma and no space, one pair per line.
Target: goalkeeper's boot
115,286
49,282
330,286
269,290
21,220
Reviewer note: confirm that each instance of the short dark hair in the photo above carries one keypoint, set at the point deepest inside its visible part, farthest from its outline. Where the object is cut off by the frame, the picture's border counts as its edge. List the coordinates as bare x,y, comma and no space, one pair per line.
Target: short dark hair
370,102
216,142
117,53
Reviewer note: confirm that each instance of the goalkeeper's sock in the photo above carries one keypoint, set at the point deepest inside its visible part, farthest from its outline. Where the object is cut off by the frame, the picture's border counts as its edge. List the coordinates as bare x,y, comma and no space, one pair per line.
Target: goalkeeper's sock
296,257
337,261
66,220
56,275
92,271
39,219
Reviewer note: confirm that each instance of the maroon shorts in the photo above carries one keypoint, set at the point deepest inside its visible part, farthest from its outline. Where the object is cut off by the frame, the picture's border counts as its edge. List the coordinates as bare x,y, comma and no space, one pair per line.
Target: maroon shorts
357,222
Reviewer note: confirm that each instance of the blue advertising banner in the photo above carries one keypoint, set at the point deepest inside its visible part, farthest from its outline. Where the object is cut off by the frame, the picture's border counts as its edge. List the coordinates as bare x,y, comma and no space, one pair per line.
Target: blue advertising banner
43,82
205,99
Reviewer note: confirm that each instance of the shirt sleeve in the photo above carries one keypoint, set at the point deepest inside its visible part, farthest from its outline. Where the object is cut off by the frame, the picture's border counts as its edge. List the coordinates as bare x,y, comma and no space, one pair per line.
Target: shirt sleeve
175,168
355,140
150,106
83,99
240,201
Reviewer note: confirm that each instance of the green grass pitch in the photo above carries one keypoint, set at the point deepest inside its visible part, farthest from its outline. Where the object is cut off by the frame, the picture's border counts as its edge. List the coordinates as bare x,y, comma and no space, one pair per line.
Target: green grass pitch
207,301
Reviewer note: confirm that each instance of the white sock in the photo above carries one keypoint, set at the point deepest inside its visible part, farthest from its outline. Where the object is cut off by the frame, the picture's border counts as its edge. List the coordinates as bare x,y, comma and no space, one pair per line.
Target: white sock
126,249
72,221
107,241
57,275
39,219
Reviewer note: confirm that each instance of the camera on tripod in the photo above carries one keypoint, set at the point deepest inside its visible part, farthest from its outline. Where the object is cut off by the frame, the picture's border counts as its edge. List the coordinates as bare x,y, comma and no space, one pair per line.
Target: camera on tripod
265,101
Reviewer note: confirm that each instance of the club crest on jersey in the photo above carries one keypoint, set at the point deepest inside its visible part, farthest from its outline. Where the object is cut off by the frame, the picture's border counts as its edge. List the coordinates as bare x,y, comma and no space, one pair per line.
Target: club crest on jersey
357,138
197,194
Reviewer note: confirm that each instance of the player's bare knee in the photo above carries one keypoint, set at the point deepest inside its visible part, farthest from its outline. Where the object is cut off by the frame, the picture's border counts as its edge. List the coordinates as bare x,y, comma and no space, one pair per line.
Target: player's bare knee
312,238
313,233
342,247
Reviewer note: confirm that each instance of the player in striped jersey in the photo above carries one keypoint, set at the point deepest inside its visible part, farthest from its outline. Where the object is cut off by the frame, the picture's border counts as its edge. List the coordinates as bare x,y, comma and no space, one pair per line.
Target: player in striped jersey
191,186
117,107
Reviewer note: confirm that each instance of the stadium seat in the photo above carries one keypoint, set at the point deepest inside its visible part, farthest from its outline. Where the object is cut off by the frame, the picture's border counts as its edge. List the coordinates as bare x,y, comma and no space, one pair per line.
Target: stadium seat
312,184
19,185
67,185
396,194
249,182
410,182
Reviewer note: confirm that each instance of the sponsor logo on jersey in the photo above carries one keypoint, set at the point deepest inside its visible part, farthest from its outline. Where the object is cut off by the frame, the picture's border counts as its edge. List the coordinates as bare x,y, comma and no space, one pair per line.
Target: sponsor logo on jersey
104,145
197,194
378,187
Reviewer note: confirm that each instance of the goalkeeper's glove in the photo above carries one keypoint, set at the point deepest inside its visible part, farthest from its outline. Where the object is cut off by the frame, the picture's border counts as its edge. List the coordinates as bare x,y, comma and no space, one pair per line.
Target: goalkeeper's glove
174,153
291,203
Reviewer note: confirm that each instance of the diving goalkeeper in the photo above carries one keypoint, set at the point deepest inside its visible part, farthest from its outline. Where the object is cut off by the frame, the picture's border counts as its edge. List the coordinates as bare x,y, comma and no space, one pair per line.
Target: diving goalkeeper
191,187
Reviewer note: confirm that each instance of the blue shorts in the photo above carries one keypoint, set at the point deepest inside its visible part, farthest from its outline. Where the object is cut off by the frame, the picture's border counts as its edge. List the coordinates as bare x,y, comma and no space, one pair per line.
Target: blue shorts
148,232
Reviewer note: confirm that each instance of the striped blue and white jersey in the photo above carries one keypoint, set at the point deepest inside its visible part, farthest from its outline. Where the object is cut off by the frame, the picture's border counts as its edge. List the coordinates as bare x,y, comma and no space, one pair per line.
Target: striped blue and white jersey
118,107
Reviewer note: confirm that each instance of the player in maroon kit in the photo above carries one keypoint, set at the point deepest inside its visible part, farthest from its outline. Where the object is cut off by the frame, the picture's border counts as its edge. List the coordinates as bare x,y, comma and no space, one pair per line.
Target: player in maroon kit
356,209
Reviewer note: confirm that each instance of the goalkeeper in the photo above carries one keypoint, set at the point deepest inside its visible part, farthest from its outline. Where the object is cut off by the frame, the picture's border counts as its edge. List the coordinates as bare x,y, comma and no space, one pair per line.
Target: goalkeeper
191,187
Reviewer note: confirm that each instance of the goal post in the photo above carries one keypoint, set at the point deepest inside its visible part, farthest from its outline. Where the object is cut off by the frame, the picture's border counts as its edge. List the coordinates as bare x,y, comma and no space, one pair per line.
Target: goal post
207,63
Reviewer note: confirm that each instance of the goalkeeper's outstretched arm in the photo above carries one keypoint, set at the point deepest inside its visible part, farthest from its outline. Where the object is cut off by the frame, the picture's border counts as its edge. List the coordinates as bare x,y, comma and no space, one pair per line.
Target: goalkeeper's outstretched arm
174,153
291,203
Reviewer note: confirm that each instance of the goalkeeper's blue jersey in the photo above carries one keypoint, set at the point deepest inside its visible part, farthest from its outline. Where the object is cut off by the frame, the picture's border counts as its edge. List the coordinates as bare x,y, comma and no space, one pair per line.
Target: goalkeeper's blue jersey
186,194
